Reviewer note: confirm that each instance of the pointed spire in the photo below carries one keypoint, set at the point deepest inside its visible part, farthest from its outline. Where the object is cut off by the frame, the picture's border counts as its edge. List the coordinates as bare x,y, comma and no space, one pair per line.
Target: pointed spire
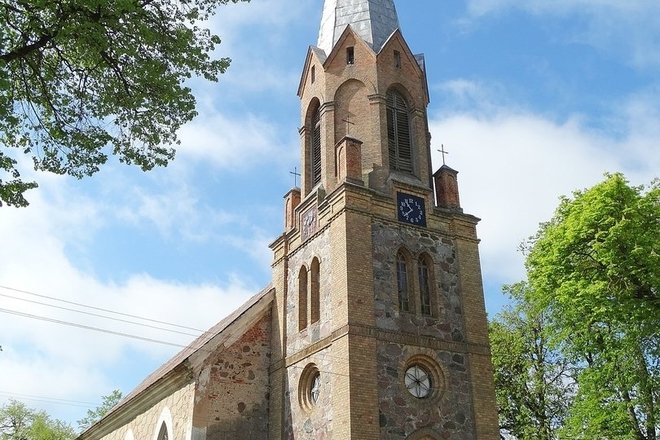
373,20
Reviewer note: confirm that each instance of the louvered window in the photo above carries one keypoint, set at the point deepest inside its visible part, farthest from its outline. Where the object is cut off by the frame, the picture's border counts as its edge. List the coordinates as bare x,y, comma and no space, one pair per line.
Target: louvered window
316,148
398,133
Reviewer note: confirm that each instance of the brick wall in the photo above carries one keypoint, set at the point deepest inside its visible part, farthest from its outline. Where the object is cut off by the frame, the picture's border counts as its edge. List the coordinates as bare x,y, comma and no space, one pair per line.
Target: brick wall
232,390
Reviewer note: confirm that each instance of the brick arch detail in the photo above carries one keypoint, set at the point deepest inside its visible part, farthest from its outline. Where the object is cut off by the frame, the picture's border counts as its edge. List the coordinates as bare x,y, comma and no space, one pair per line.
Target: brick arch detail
410,99
351,103
424,434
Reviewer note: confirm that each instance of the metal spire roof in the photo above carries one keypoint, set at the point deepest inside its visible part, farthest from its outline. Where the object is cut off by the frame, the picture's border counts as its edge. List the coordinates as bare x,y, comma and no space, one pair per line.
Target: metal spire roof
373,20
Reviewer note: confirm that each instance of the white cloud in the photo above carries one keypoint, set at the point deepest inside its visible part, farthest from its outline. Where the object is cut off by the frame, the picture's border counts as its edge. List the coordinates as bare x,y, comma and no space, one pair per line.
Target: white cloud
255,35
234,143
58,361
626,29
515,164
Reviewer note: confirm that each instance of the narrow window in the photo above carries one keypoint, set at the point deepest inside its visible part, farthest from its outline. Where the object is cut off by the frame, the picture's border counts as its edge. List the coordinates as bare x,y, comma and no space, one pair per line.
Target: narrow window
162,434
316,148
315,293
398,133
313,74
402,282
397,59
424,286
302,299
350,55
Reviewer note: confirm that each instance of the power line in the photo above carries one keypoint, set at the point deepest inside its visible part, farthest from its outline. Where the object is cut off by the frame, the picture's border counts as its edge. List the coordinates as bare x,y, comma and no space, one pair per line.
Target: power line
100,309
97,315
48,399
87,327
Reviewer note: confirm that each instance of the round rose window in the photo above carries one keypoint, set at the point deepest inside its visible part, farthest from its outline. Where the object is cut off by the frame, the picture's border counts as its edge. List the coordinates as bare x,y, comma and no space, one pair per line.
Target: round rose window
418,381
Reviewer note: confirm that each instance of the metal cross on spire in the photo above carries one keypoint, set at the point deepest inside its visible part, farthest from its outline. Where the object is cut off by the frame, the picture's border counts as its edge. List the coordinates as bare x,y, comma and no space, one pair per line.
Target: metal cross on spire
443,152
296,174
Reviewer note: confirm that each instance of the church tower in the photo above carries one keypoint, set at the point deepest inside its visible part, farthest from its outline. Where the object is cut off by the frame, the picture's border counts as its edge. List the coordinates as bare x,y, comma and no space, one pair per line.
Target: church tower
379,325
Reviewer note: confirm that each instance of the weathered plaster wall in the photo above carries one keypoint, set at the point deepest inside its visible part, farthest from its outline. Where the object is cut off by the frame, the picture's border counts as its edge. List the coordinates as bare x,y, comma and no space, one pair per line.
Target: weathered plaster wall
232,389
175,410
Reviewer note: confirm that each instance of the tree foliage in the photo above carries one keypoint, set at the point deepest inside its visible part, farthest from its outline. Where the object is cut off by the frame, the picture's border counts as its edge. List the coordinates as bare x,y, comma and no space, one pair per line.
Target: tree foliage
594,271
80,79
18,422
93,416
533,380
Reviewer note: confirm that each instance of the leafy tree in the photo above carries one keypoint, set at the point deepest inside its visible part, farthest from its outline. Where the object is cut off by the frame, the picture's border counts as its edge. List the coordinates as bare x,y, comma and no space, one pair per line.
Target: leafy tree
80,79
18,422
594,270
532,380
97,414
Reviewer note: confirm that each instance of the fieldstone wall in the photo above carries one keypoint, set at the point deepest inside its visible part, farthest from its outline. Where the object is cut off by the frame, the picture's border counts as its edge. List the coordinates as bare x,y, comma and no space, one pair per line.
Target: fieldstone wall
318,247
447,321
316,422
232,390
175,410
448,412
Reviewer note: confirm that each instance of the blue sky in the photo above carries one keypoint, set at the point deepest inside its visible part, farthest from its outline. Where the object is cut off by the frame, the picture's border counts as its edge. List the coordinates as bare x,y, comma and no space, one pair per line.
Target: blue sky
532,99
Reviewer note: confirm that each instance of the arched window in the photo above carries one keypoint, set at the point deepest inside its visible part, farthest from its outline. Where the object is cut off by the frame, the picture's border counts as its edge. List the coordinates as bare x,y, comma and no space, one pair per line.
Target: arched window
424,285
398,133
302,299
402,282
315,294
316,148
162,434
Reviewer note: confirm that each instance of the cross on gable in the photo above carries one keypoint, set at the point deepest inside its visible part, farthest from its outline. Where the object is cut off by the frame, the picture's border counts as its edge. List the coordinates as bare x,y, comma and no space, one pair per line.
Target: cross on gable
443,152
296,174
348,124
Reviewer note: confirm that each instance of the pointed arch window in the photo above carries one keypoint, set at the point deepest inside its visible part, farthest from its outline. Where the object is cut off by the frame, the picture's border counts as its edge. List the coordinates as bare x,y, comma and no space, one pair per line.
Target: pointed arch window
162,434
424,285
398,132
402,282
302,299
316,147
315,306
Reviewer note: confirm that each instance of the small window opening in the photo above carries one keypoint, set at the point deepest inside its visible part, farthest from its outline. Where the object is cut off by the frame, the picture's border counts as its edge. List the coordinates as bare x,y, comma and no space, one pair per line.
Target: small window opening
397,59
313,74
315,312
302,299
402,282
424,287
350,55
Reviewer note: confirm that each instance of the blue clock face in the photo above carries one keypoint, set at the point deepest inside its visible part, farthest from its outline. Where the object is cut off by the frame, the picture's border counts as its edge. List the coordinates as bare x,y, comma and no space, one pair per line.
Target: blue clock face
410,209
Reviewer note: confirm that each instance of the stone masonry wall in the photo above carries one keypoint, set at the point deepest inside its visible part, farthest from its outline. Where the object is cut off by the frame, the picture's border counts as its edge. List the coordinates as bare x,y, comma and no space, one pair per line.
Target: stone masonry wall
448,413
175,410
310,422
318,247
232,393
446,322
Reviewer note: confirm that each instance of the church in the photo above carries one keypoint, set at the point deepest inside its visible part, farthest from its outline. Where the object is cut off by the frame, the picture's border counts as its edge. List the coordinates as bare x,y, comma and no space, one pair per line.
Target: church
374,325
